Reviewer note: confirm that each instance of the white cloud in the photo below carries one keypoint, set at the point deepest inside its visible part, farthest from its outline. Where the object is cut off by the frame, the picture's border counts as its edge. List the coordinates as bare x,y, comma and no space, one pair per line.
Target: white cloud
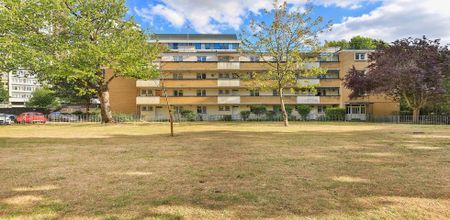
210,16
396,19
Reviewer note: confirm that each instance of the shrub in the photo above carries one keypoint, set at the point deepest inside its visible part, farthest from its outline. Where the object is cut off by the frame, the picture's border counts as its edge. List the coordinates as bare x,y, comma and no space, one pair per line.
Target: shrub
258,109
122,117
227,118
245,115
289,109
272,115
304,111
335,113
188,115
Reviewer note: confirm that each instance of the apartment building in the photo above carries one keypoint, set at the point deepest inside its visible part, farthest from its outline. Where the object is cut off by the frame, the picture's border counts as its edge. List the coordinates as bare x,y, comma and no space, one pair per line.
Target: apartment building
21,85
204,73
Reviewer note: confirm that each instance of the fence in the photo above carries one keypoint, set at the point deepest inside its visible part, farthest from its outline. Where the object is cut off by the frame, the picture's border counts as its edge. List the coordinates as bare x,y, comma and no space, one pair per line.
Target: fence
120,118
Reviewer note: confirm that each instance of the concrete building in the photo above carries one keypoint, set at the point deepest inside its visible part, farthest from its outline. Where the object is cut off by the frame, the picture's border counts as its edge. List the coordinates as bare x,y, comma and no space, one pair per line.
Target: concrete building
21,85
203,73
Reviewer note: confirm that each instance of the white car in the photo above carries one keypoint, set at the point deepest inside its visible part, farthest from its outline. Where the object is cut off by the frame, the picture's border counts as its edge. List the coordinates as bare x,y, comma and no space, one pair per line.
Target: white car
5,119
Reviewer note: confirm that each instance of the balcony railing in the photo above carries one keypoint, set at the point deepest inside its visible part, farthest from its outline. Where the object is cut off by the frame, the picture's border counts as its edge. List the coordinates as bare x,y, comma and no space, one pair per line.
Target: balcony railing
233,65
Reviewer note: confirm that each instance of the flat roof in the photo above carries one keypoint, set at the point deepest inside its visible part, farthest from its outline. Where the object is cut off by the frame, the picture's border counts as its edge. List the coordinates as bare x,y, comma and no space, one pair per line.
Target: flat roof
201,38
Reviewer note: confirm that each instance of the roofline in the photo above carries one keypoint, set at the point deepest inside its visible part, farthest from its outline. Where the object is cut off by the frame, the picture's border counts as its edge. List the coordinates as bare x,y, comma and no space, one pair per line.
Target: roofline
355,50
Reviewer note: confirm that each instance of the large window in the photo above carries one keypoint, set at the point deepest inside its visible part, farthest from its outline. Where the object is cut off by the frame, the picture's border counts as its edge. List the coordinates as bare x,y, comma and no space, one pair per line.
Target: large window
177,76
178,93
201,58
201,92
224,108
201,75
224,92
146,92
201,109
254,92
224,75
360,56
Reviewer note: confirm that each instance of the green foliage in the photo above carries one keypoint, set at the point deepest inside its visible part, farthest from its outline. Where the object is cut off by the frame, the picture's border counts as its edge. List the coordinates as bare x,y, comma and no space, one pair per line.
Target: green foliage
258,109
357,42
43,98
245,115
227,118
281,44
74,42
335,113
4,95
303,110
272,115
289,109
123,117
188,115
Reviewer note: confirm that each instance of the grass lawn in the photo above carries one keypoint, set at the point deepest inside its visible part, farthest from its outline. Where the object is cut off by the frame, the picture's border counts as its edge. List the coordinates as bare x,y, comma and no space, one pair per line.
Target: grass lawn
225,171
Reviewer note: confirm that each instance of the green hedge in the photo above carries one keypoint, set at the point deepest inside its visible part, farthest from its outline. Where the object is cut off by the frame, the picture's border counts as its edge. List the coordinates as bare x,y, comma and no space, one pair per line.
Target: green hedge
335,113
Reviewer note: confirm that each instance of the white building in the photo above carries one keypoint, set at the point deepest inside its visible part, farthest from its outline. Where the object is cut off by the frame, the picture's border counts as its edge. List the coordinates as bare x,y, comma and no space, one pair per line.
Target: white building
21,85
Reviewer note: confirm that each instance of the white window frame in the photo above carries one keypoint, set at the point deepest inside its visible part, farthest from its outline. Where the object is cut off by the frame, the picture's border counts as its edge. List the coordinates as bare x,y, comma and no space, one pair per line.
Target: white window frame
358,56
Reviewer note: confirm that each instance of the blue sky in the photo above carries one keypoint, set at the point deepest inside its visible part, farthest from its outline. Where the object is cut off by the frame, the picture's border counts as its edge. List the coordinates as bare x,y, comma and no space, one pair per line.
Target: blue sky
382,19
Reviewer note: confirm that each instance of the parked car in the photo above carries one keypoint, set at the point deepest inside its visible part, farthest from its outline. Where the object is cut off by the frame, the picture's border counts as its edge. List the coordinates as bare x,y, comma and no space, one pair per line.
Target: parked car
5,119
31,117
62,117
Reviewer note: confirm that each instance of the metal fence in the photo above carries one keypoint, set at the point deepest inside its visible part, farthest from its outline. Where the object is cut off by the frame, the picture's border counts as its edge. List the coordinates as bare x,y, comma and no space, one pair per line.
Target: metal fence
121,118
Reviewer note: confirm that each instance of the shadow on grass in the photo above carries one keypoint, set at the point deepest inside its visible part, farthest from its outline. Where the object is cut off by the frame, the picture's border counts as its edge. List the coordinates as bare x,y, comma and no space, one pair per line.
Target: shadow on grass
221,173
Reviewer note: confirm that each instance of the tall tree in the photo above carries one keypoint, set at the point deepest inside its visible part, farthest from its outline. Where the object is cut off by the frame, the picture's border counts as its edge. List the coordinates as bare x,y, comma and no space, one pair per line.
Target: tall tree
88,43
357,42
4,95
281,44
412,69
43,98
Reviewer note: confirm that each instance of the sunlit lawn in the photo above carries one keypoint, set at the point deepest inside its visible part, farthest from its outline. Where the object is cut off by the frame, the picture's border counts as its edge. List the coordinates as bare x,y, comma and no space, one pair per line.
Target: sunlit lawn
225,171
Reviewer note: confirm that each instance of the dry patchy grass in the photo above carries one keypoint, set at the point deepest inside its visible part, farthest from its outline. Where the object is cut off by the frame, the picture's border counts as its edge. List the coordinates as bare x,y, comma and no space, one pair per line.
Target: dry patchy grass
225,171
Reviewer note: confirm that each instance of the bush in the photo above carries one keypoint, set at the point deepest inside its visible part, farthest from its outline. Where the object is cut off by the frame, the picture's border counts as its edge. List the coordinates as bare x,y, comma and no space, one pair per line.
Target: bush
122,117
245,115
258,109
304,111
227,118
188,115
335,113
289,109
272,115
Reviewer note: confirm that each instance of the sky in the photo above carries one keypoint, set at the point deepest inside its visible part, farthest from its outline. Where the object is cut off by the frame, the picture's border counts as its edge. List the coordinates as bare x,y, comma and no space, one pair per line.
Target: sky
381,19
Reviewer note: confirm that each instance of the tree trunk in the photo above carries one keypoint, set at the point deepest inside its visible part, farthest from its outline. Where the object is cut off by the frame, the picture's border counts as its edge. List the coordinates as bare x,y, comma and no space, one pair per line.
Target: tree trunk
283,108
88,104
105,106
416,114
168,107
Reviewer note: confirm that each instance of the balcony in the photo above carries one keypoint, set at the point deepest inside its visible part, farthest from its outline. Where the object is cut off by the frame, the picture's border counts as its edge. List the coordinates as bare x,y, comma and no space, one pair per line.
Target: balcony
308,100
147,100
193,83
147,83
228,100
228,82
330,99
308,82
266,100
191,100
228,65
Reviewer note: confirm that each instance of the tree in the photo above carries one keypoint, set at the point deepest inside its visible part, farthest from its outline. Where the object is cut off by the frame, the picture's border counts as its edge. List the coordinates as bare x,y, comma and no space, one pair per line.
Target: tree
4,95
357,43
412,69
43,98
304,111
87,43
281,44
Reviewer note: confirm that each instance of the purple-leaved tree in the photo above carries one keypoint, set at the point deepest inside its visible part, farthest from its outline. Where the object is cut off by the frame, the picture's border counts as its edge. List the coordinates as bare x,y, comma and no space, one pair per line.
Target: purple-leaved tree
412,69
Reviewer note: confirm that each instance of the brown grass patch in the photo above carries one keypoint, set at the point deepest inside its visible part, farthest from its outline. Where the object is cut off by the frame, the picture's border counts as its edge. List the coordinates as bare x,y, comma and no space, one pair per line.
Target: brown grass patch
22,200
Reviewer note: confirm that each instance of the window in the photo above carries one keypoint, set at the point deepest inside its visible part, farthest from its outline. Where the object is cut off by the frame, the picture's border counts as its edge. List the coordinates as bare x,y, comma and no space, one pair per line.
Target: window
275,92
201,92
201,75
224,75
178,93
224,92
146,92
178,109
254,92
147,108
177,58
177,76
224,108
198,46
321,92
254,59
321,109
224,59
360,56
201,58
201,109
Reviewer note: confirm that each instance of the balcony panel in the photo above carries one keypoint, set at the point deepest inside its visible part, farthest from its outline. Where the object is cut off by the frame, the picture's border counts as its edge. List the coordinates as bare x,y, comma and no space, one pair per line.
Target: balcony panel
330,82
228,83
149,100
185,100
330,99
308,82
190,83
266,100
228,65
229,100
186,66
147,83
308,100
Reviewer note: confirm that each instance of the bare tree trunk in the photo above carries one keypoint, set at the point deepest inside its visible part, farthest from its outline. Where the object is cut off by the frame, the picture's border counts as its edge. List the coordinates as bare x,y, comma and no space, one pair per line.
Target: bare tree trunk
283,108
88,104
168,106
416,114
105,106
